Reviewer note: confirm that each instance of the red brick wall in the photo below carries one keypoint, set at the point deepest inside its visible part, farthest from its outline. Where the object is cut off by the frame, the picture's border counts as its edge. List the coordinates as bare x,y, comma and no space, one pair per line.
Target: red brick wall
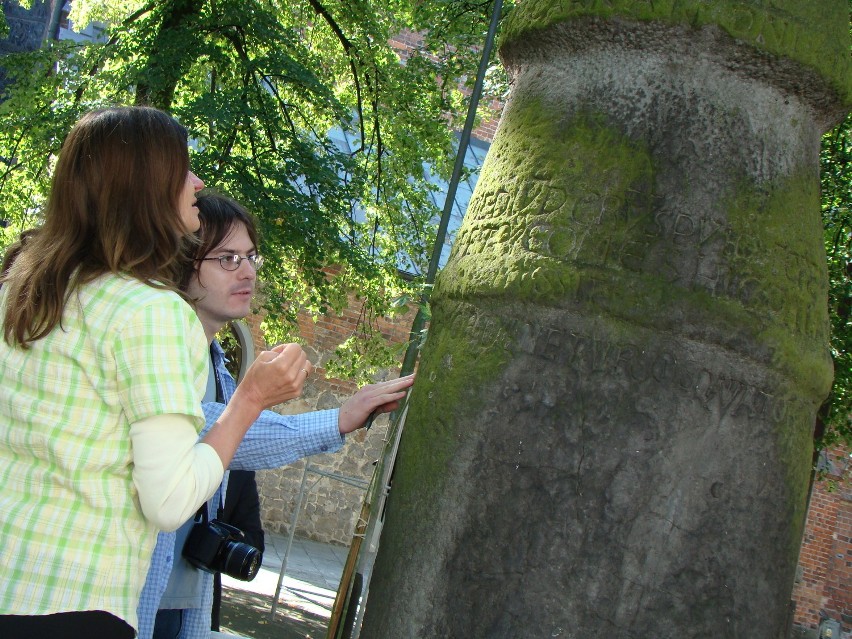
824,582
487,128
404,42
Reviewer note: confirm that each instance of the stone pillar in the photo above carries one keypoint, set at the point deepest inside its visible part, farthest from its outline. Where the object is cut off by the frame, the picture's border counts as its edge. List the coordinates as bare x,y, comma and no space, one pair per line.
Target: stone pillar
610,435
27,28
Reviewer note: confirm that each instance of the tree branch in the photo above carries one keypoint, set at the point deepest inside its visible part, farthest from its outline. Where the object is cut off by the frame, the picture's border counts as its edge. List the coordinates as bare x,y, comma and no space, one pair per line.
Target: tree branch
351,51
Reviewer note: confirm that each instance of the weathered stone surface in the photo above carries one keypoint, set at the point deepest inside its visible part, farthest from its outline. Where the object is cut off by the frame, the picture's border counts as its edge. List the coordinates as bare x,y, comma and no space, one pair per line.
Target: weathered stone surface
611,430
27,29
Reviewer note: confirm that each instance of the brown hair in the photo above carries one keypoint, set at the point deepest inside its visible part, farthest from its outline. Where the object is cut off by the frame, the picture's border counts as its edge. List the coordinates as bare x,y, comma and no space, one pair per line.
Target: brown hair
218,214
13,250
113,208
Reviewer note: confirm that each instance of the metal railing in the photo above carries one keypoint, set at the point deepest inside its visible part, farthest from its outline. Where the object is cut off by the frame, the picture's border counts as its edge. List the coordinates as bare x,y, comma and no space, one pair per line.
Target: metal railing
303,490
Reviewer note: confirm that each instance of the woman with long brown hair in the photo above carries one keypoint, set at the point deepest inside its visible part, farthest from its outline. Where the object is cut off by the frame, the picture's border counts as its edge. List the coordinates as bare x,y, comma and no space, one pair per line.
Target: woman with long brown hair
102,368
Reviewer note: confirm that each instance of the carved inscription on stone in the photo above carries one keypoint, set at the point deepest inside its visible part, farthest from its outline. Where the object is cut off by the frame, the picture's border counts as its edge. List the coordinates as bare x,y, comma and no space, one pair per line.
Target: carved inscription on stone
721,392
564,226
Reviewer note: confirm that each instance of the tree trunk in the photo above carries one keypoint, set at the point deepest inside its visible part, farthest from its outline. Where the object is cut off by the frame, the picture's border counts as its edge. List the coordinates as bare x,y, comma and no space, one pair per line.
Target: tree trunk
174,50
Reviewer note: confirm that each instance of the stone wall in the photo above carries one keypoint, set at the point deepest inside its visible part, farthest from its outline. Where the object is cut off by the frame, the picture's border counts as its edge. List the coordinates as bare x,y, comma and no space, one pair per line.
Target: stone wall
330,507
27,27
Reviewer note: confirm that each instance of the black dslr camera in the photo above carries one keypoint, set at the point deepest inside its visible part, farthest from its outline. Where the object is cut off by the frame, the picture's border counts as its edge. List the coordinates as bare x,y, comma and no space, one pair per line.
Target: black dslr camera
214,546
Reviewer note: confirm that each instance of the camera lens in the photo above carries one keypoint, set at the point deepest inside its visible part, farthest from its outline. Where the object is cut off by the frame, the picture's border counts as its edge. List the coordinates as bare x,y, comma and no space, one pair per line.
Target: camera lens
241,561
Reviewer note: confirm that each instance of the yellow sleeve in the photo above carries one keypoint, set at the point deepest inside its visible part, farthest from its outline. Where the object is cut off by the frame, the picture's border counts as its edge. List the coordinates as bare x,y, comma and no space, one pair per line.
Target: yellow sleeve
173,472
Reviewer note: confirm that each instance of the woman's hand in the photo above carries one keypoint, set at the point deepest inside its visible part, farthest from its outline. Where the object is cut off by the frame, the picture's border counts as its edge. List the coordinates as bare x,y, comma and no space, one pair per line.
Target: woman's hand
381,398
275,376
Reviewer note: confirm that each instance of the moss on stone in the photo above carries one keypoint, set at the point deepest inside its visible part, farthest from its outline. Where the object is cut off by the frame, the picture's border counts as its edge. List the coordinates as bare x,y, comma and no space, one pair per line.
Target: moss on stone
553,193
563,215
465,352
794,443
814,34
781,276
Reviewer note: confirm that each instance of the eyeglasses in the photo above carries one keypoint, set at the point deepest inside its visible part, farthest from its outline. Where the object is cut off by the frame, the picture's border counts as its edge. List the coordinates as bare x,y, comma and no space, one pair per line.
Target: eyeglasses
232,262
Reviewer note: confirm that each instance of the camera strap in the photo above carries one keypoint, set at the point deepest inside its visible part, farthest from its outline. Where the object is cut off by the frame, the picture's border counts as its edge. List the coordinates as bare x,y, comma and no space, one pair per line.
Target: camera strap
201,515
220,394
220,399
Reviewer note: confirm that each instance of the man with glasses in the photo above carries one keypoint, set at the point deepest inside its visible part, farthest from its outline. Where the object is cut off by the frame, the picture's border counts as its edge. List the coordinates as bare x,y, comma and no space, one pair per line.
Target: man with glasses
177,598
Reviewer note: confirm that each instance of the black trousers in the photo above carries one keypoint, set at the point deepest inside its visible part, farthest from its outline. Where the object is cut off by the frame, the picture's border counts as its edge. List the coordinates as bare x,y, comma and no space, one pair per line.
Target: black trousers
68,625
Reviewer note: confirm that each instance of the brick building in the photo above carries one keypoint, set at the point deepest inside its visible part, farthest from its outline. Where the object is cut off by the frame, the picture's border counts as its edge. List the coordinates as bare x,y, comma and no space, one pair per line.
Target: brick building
823,590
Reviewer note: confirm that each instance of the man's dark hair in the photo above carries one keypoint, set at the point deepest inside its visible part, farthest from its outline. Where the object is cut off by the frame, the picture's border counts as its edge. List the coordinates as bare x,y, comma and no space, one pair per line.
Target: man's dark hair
218,214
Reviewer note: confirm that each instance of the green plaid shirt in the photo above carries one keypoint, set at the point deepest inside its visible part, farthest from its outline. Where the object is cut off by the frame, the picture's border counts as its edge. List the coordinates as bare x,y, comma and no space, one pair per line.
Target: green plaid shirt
72,535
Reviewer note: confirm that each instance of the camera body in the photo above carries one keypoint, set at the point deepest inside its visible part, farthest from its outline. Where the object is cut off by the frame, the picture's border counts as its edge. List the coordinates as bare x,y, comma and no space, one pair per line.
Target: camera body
214,546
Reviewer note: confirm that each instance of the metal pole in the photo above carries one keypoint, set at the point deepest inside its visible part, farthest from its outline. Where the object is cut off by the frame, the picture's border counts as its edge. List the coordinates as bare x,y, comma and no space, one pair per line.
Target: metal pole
420,319
372,512
294,520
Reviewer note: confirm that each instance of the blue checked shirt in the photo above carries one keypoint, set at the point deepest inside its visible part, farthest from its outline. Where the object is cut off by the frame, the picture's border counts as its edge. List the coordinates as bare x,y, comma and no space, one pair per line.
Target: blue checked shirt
273,440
